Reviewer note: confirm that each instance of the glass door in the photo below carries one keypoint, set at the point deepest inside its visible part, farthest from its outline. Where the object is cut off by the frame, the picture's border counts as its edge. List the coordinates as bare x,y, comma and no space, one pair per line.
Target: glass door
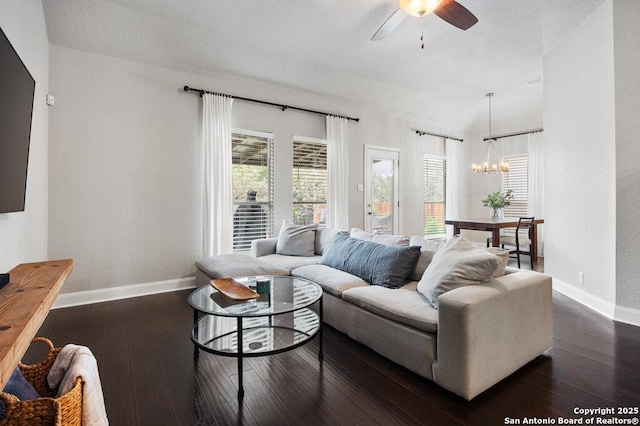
381,190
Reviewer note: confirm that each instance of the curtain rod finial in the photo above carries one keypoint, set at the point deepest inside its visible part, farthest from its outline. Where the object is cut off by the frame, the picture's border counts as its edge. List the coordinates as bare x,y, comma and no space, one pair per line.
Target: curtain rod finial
186,88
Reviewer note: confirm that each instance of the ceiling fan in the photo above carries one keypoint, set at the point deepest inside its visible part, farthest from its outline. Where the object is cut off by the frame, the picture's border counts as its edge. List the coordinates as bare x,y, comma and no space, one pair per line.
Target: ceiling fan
449,10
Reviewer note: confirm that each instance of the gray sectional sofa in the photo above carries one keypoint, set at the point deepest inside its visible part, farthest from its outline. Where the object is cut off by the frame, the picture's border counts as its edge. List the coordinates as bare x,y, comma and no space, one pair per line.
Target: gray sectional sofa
466,341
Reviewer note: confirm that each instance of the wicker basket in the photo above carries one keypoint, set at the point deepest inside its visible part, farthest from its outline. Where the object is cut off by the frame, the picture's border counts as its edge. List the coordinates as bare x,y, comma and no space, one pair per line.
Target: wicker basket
64,410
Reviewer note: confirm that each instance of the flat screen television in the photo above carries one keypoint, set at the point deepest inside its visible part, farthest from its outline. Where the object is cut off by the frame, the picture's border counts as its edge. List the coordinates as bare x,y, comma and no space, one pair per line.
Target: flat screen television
17,88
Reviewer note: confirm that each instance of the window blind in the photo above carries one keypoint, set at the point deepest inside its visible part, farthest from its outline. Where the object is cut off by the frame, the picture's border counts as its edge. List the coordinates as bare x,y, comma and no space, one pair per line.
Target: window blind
252,158
516,181
435,190
309,182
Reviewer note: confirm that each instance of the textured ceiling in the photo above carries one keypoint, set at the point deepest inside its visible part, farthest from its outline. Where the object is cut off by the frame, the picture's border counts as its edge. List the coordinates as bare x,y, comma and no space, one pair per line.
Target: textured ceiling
324,47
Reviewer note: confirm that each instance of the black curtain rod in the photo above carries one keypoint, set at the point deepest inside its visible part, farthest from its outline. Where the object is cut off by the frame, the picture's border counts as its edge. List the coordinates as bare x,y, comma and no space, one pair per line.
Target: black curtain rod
421,133
514,134
283,107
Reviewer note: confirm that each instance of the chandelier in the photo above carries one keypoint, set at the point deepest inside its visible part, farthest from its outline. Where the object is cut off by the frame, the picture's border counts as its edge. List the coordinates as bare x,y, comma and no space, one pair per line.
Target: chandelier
490,164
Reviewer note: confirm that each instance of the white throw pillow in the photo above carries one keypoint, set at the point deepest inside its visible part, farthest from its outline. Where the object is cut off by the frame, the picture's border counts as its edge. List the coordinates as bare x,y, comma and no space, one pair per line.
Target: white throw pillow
360,234
428,249
503,255
296,240
387,240
459,263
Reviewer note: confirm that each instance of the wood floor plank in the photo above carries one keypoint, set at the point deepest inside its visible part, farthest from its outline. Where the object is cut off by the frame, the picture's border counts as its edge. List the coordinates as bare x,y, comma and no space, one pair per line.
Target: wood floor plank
114,364
149,376
176,361
307,405
150,387
336,372
409,402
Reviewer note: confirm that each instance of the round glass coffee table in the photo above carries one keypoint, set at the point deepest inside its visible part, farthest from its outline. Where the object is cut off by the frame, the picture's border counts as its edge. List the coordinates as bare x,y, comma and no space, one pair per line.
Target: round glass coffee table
275,322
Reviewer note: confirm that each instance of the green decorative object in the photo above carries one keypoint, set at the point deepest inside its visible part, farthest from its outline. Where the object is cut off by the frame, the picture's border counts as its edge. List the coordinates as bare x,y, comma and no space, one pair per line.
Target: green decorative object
497,201
263,286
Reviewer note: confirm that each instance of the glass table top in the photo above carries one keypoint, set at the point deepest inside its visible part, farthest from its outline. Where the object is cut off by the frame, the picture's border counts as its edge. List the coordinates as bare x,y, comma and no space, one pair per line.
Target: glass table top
287,294
260,335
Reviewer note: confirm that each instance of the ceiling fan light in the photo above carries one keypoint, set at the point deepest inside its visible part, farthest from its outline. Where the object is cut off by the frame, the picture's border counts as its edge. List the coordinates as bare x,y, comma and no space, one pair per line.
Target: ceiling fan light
419,7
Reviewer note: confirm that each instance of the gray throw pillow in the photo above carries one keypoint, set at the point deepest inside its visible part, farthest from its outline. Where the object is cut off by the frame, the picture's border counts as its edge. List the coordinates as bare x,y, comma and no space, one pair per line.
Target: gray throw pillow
459,263
428,249
324,237
296,240
378,264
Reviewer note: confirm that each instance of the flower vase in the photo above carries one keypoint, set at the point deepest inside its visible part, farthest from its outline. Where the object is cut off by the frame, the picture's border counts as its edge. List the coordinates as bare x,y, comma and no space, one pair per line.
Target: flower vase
496,214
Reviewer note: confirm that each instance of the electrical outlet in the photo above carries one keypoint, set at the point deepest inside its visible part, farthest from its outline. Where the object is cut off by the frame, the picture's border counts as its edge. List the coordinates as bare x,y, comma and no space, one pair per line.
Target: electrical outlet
580,277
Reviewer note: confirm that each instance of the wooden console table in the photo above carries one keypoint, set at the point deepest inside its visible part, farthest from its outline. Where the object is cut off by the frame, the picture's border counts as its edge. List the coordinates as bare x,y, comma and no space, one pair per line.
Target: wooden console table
24,304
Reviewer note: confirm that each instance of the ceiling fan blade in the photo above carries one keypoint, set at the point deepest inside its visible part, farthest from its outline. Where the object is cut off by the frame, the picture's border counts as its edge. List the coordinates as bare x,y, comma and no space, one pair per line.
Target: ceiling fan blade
456,14
390,24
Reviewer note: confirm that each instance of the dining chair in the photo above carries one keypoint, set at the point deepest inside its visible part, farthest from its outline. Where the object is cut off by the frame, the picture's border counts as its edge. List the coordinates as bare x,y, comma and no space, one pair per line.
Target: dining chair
522,237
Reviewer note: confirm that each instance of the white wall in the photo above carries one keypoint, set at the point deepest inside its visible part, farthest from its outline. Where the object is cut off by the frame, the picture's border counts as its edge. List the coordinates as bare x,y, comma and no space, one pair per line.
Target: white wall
23,235
626,33
580,138
124,164
124,173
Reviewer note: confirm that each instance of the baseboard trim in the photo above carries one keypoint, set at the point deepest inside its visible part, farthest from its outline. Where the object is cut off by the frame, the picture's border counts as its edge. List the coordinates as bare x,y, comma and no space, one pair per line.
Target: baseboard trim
608,309
66,300
628,315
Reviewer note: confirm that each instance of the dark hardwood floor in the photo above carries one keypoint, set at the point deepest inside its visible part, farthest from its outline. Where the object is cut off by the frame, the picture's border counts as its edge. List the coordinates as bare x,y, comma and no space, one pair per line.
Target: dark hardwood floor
149,376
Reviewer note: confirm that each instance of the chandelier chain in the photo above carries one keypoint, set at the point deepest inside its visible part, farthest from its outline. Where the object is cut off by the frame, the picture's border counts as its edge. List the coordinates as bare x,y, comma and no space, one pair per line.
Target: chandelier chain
486,166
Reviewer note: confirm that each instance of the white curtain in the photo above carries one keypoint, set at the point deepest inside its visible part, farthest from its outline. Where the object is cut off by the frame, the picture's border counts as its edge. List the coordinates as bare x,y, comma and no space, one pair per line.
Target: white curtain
337,173
452,152
217,185
535,181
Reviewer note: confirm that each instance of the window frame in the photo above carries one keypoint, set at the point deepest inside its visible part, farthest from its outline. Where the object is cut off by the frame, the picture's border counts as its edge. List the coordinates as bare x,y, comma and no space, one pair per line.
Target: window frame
310,141
268,205
425,160
517,179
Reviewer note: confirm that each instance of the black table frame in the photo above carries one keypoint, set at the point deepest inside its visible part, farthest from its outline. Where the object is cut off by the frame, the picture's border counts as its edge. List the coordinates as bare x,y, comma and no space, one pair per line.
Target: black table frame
240,355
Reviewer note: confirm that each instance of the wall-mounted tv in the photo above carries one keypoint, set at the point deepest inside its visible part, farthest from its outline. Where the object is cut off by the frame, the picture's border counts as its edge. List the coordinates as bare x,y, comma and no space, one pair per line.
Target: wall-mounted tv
17,89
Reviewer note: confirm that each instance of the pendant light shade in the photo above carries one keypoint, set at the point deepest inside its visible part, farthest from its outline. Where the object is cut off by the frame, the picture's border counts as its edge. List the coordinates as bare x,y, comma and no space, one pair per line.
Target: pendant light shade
491,162
419,7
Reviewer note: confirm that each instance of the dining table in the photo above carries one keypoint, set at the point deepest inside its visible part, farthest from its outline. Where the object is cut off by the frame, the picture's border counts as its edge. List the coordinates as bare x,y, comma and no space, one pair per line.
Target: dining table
494,226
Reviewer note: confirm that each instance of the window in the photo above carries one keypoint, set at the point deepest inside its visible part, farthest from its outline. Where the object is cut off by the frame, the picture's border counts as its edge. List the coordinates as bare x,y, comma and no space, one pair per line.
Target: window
435,189
516,181
309,181
252,157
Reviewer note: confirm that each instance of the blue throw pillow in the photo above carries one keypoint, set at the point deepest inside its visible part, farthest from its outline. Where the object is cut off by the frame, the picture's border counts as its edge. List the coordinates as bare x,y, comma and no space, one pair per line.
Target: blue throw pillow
18,387
378,264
